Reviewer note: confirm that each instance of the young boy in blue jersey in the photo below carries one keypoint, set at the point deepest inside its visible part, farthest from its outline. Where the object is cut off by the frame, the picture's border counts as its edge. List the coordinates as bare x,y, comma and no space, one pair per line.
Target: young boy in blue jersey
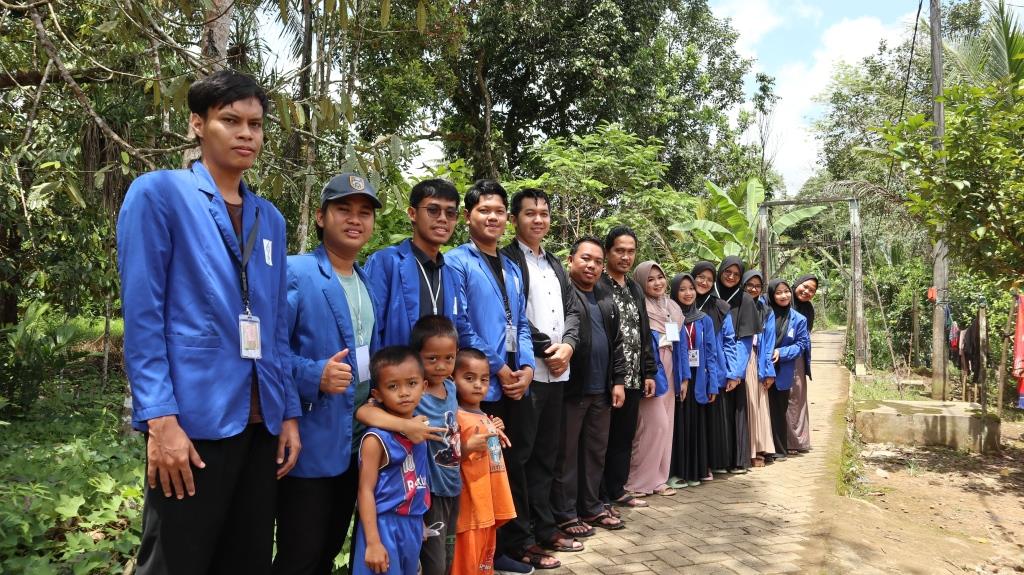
434,338
394,491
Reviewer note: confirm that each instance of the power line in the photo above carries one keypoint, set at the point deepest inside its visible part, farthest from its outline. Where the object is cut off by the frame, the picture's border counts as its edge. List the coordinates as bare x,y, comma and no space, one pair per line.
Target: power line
906,85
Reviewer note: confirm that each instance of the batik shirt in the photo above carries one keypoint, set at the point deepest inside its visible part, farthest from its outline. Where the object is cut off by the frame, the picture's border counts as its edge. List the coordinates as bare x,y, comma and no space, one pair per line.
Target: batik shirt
629,325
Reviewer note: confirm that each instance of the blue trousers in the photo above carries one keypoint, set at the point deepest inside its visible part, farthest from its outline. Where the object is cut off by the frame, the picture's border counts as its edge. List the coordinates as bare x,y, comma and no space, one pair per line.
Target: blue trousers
402,536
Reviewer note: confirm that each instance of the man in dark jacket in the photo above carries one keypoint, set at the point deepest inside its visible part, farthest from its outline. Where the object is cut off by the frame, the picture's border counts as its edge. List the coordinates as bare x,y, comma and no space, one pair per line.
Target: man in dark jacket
620,247
533,427
595,386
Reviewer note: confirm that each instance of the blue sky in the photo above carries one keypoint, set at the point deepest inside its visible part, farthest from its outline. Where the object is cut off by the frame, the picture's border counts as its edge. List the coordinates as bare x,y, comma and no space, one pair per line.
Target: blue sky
799,42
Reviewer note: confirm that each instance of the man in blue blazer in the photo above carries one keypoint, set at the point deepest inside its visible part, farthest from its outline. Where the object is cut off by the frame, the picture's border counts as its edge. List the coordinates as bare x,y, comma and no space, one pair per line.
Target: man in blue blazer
411,279
492,314
203,286
332,334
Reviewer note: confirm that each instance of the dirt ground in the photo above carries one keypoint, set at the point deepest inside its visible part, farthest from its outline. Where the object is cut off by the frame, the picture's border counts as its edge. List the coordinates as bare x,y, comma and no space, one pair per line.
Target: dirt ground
930,510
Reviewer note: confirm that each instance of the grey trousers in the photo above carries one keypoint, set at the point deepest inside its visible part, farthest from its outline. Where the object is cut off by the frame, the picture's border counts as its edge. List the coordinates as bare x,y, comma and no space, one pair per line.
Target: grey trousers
576,490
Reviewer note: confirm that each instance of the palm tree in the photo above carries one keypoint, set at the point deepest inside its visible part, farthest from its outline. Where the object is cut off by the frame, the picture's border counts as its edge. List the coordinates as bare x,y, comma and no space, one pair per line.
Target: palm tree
994,57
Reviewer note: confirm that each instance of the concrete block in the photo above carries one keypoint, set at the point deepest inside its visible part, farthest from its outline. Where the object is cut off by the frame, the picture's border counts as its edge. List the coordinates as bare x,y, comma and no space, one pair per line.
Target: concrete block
954,424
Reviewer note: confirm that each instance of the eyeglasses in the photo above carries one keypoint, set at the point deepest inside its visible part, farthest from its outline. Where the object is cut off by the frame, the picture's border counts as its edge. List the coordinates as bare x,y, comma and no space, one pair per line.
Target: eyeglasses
434,211
753,287
730,274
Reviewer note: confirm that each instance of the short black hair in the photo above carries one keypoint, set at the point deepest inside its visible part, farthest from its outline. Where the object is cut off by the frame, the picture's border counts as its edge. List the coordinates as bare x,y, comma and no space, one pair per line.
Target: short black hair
484,187
319,229
468,353
390,356
528,194
617,232
433,188
584,240
223,88
430,326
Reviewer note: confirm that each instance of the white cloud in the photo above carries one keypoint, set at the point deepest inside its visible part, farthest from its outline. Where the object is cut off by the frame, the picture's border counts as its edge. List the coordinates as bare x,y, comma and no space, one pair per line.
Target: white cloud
798,82
753,19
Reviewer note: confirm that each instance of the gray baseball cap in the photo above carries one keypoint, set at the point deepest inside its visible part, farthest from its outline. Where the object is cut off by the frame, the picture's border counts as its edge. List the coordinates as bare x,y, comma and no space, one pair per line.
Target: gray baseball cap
349,184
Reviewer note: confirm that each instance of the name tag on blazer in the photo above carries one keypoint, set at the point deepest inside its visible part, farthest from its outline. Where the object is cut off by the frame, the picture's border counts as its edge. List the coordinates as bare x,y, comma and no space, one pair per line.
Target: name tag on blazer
792,332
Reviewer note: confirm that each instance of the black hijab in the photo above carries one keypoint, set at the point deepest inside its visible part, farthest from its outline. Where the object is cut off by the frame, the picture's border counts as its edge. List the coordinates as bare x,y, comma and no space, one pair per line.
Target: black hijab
762,309
709,303
805,308
690,312
781,313
741,305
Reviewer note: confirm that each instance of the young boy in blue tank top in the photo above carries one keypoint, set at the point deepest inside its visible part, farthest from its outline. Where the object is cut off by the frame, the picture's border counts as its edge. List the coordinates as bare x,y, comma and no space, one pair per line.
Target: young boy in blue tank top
394,489
434,338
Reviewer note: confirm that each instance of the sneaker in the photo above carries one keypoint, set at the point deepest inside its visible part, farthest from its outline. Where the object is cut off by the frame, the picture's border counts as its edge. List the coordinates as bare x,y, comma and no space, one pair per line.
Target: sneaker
505,565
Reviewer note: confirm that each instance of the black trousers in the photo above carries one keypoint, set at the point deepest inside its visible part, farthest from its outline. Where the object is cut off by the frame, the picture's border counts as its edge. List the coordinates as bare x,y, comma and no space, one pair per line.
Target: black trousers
778,403
576,490
535,426
313,517
620,445
228,525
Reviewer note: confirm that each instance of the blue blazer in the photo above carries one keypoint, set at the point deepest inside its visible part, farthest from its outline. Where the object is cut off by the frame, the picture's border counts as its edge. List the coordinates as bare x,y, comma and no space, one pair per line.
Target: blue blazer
705,378
319,326
181,294
795,346
395,277
481,319
766,345
680,364
728,354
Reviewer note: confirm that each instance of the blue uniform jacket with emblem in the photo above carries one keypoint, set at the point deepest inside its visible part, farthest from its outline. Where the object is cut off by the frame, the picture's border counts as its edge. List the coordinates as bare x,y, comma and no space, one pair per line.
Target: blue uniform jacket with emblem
319,326
395,276
795,346
481,322
711,368
179,260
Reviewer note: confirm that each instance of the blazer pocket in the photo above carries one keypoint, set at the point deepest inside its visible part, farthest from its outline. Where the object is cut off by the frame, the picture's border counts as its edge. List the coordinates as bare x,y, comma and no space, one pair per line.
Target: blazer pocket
198,341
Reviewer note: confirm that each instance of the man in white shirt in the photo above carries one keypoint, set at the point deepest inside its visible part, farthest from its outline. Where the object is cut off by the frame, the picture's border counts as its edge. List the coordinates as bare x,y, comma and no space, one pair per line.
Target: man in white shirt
554,317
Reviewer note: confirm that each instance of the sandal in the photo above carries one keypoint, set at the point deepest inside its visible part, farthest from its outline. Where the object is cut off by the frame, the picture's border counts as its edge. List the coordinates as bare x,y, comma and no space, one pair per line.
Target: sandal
576,528
605,520
665,491
612,511
536,557
628,500
562,544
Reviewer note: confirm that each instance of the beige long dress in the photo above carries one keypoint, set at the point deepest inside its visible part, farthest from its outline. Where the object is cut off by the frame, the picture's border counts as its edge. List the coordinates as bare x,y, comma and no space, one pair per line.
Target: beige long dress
652,444
798,433
758,417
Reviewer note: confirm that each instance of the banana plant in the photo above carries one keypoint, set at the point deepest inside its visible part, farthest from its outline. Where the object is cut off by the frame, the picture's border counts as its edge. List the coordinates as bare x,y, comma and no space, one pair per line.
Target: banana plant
726,222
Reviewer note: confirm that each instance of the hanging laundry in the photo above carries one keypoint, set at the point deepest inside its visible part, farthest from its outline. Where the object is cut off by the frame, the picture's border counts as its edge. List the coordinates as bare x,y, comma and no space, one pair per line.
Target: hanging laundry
1018,352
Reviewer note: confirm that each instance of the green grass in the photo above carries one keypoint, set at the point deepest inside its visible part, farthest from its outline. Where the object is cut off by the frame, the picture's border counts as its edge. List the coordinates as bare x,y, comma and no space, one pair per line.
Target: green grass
90,328
885,388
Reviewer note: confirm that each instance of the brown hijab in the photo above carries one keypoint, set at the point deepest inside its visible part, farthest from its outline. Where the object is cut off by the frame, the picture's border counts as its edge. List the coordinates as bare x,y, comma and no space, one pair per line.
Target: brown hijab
660,310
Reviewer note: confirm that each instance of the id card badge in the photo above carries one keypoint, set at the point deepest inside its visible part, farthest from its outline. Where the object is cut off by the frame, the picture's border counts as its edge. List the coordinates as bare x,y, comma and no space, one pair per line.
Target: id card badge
672,331
249,336
363,362
694,358
756,335
511,341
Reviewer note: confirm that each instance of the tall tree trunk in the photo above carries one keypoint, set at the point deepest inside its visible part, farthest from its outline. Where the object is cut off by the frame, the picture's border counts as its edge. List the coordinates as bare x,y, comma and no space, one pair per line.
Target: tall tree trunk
489,169
305,89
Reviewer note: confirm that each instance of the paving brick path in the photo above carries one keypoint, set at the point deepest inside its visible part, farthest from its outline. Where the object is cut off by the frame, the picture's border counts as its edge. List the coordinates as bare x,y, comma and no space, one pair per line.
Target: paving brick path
760,522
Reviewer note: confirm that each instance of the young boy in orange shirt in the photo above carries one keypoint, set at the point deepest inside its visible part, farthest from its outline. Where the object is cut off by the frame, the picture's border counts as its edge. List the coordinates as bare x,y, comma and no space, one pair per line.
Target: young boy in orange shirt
486,500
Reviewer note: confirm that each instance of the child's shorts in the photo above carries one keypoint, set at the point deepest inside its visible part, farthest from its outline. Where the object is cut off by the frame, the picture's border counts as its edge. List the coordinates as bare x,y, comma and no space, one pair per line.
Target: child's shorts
402,536
474,552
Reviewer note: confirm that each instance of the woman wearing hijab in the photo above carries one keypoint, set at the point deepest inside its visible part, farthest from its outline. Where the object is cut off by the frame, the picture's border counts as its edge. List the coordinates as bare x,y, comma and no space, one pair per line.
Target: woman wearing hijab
747,325
799,418
760,372
791,345
698,351
652,444
804,289
721,429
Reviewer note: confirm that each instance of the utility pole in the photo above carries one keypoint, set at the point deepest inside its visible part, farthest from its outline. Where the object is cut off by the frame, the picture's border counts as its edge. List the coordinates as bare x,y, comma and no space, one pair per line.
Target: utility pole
940,270
763,238
860,341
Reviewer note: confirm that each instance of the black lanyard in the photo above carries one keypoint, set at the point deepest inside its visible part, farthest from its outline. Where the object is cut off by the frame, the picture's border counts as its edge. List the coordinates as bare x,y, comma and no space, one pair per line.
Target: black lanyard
250,241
